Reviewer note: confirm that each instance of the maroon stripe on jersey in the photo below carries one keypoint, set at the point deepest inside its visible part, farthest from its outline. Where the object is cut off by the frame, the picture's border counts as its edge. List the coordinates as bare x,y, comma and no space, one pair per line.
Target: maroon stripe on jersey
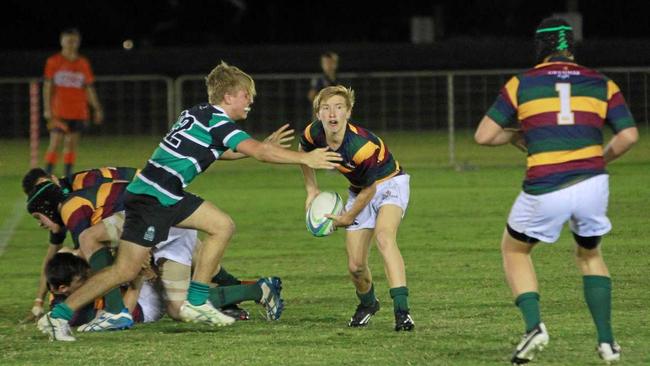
506,97
111,204
584,164
616,100
550,119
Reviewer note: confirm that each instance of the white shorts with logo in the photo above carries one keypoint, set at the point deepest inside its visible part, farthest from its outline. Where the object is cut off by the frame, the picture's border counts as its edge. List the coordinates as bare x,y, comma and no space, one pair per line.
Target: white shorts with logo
394,191
583,204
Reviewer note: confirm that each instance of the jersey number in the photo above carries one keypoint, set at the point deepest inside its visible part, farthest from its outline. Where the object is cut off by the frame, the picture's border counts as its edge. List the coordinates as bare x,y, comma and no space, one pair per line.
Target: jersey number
183,123
565,117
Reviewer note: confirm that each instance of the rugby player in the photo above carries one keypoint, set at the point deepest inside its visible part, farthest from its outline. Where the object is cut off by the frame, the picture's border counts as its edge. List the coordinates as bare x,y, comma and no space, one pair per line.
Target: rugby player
559,108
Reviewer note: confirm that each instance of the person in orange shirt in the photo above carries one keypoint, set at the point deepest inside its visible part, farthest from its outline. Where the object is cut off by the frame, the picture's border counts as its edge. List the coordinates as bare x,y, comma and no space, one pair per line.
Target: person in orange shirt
67,90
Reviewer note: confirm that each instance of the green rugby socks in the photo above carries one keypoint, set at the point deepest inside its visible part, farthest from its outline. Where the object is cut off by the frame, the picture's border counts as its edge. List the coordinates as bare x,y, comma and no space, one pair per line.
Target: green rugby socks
226,295
112,299
598,295
223,278
62,311
368,298
400,298
528,303
198,293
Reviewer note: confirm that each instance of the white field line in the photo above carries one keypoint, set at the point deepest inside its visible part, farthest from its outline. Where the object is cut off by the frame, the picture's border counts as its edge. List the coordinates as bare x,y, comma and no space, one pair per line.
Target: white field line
9,226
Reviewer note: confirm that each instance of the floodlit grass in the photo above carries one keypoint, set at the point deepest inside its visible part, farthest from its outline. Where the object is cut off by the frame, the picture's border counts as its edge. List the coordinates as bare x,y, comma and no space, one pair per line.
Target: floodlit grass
450,237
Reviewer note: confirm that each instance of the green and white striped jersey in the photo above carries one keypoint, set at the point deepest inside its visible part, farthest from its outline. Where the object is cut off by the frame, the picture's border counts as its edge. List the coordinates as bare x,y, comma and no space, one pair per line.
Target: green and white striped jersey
199,137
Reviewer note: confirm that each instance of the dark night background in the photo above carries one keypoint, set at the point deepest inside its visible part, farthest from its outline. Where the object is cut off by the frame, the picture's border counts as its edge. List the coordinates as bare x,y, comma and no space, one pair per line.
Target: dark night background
278,36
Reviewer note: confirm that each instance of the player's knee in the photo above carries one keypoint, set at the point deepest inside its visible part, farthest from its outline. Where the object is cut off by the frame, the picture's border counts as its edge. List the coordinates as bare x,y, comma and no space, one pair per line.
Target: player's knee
357,269
385,239
587,242
224,226
521,236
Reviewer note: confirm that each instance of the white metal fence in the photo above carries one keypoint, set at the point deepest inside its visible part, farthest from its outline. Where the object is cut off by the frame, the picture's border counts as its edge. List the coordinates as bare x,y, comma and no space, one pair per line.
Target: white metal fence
426,100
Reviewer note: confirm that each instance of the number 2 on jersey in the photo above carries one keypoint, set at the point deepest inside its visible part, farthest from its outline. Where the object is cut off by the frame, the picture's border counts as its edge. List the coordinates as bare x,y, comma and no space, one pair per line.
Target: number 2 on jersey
565,117
183,123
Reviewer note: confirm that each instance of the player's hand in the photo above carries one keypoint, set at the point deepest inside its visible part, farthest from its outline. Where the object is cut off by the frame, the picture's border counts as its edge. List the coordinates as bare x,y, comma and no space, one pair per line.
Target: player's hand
310,197
47,115
98,116
341,220
281,137
322,159
35,313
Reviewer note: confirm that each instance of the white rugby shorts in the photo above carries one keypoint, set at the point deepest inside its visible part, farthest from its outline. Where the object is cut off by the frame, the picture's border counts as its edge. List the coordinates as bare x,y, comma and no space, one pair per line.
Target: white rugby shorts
583,204
394,191
178,247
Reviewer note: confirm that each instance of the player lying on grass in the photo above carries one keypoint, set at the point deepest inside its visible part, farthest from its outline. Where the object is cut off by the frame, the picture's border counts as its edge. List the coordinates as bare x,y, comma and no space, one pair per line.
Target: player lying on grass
149,297
157,200
560,108
377,201
94,216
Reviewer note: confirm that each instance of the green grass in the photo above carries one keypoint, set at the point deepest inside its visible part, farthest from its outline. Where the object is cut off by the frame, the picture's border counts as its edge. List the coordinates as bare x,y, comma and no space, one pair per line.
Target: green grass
449,239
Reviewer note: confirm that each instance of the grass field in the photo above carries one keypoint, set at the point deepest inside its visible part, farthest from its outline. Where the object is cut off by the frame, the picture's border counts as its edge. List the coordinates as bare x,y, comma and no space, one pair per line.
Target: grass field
461,304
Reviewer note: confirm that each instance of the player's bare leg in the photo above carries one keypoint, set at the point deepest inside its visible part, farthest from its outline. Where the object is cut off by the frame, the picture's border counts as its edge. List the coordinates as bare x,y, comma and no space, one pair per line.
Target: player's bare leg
518,265
521,277
388,221
70,144
92,244
126,268
130,258
598,295
357,243
56,139
219,228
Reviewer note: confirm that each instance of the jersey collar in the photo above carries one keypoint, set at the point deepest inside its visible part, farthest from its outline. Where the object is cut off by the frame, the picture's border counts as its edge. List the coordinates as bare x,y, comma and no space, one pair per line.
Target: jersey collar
219,109
556,60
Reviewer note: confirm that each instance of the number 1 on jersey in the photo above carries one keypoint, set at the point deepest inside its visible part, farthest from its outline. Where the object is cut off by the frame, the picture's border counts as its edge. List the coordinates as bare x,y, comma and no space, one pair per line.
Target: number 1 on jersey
565,117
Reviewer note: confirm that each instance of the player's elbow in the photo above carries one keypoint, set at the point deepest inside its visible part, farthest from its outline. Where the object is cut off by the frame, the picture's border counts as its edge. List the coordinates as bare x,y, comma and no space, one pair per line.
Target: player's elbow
482,138
630,135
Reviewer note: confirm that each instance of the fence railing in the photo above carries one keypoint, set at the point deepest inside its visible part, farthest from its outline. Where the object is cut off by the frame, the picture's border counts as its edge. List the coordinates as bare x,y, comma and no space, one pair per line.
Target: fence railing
424,100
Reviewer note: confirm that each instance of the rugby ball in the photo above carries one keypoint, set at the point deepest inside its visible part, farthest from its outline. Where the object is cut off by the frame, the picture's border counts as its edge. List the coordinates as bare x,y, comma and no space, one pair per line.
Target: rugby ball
325,203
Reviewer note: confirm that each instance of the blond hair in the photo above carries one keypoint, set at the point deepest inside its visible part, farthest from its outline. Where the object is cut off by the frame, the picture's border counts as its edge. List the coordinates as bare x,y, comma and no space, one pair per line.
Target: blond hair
330,91
225,79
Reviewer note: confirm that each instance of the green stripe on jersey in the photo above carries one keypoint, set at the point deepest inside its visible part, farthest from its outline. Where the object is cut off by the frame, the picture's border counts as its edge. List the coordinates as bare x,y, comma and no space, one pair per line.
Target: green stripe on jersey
185,167
560,144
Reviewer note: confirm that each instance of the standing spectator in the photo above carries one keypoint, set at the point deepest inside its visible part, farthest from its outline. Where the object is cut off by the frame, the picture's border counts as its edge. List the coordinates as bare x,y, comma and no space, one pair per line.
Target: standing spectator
329,62
67,89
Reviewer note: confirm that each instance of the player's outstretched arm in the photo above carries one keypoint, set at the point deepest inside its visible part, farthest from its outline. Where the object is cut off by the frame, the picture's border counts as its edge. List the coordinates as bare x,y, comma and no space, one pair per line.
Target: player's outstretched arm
280,137
37,306
268,153
489,133
621,143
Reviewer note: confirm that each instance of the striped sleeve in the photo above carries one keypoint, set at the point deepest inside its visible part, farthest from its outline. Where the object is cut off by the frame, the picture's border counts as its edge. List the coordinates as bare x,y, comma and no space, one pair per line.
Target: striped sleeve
618,116
307,140
504,109
226,132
